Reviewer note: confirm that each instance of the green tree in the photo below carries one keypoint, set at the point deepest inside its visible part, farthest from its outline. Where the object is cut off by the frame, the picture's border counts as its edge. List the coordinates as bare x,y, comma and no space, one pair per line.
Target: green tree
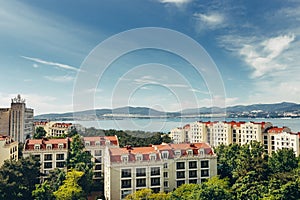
18,178
81,160
70,190
43,191
147,194
185,191
39,133
283,160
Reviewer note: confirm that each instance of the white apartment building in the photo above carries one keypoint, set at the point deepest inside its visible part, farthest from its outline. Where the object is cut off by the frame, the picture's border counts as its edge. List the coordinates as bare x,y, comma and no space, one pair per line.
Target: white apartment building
159,167
52,153
197,132
55,129
8,149
17,120
252,131
220,133
96,146
177,135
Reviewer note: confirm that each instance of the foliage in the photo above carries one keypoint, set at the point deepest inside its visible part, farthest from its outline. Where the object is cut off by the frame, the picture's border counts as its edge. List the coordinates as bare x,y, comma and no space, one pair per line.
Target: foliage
18,178
70,190
43,192
283,160
39,133
147,194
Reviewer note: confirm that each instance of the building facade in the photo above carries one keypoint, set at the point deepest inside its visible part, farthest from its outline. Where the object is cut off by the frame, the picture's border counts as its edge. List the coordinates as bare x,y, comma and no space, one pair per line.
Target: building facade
17,120
52,153
55,129
96,146
158,167
8,149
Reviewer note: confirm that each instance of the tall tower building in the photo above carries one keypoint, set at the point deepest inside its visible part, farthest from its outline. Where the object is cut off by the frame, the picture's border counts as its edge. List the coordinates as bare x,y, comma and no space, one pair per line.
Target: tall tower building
17,121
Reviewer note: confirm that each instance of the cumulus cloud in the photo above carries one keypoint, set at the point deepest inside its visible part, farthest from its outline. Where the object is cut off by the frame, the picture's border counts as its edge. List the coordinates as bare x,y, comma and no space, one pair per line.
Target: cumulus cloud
262,56
209,21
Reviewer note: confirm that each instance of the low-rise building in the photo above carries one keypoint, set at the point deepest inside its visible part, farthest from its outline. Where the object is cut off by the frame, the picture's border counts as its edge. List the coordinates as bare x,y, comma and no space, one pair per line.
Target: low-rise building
52,153
55,129
96,146
158,167
8,149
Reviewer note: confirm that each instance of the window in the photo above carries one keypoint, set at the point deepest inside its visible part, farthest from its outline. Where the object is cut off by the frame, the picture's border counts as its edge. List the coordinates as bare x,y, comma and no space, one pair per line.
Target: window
98,152
36,147
98,167
180,174
204,173
204,164
126,173
124,193
98,160
97,143
190,152
60,146
152,156
165,155
193,174
140,172
193,164
155,181
180,165
126,184
87,143
124,158
48,157
97,174
165,174
60,164
165,165
177,153
166,184
141,182
139,157
47,165
155,171
193,181
49,146
60,156
38,157
155,190
179,183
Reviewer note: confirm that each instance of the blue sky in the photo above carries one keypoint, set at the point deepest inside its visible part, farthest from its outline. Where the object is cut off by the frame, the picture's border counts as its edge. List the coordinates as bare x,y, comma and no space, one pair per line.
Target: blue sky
254,45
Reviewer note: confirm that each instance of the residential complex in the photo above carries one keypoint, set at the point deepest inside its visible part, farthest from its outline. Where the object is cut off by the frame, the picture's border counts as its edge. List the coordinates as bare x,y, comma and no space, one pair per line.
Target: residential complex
52,153
158,167
217,133
55,129
17,120
96,146
8,149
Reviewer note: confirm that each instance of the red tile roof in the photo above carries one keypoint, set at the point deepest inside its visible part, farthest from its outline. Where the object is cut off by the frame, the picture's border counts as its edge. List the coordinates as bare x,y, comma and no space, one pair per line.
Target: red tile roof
102,139
276,130
30,143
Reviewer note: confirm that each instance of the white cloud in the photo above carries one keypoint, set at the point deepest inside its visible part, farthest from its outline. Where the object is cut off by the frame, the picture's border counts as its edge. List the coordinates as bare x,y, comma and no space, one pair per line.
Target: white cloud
55,64
209,21
60,79
262,56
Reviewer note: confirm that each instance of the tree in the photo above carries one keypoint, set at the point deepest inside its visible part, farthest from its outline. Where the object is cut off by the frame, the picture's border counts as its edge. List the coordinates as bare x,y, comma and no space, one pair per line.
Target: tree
39,133
43,191
185,191
19,178
81,160
70,190
147,194
283,160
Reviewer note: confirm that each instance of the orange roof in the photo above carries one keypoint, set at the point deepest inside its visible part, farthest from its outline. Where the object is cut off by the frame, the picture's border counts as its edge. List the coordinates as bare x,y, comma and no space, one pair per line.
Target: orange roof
275,130
113,140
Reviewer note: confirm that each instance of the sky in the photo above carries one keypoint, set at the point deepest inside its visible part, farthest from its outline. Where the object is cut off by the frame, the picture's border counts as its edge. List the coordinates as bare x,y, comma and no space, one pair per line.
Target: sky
49,49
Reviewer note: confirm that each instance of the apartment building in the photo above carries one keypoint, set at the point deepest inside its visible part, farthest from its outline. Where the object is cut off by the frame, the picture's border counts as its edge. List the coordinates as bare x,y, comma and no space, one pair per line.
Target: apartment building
55,129
52,153
252,131
219,133
17,120
158,167
8,149
96,146
197,132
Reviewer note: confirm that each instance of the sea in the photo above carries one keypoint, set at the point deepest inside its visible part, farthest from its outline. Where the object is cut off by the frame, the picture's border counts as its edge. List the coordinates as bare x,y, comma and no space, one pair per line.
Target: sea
166,124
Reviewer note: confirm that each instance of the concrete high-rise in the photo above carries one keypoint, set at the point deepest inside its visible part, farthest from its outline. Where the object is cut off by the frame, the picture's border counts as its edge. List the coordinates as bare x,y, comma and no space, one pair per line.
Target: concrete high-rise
17,121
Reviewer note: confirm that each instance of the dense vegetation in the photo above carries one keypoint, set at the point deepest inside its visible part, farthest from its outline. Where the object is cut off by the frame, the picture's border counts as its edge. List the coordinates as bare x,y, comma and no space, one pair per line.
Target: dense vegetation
133,138
245,172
